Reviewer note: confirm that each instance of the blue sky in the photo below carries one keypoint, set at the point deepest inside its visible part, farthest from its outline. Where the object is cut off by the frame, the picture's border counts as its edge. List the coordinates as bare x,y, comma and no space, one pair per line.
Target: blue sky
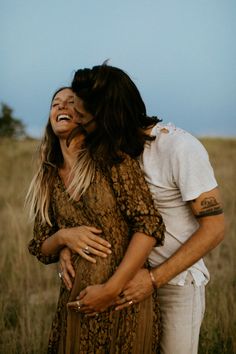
180,53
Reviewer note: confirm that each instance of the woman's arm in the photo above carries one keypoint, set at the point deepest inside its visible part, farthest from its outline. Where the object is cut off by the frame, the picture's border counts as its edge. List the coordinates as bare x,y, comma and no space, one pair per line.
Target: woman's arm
137,252
47,241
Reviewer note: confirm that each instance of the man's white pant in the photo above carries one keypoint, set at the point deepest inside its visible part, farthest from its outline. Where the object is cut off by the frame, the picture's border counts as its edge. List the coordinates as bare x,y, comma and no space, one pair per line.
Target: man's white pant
182,309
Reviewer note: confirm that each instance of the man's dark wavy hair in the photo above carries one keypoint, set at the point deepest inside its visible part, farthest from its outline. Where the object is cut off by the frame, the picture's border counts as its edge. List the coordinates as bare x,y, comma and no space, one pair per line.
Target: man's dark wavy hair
113,99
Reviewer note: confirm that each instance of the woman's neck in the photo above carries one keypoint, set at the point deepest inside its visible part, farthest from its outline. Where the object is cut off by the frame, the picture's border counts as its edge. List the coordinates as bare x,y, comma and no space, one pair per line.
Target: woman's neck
70,152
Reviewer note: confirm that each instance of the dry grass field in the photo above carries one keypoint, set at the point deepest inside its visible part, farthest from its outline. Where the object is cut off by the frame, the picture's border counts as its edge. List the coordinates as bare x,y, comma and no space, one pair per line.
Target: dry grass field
29,289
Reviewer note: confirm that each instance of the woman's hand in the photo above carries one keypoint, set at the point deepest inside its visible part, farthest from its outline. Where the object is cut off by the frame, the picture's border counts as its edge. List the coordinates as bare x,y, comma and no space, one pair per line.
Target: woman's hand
67,272
93,299
85,241
136,290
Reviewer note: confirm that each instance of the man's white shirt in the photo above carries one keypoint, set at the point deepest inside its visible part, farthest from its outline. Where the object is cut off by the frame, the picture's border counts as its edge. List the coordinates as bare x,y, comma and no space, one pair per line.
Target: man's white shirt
177,170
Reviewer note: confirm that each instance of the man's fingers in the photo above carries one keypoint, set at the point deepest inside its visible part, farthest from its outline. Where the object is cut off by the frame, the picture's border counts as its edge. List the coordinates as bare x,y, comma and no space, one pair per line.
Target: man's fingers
120,300
124,301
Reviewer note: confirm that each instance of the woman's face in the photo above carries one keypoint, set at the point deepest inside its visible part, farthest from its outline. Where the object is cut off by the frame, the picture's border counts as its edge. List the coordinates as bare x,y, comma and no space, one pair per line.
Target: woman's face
63,116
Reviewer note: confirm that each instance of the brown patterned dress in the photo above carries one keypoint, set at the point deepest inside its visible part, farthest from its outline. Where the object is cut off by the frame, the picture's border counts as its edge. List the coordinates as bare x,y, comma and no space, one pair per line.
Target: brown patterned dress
119,203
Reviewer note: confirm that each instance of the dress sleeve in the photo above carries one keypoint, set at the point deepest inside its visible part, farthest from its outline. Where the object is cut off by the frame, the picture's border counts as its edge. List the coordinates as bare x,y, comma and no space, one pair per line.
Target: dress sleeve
135,200
41,232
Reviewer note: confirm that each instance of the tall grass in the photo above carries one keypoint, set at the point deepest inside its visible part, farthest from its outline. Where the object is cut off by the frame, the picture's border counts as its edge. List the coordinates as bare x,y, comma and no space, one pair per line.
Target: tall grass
218,333
29,289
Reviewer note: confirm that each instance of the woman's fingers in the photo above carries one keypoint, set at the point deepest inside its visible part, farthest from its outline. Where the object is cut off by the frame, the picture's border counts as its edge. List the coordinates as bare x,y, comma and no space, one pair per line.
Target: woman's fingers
85,255
64,275
70,268
81,294
67,281
96,238
93,314
96,249
74,305
66,268
120,307
86,241
96,242
93,242
92,234
94,229
79,307
89,247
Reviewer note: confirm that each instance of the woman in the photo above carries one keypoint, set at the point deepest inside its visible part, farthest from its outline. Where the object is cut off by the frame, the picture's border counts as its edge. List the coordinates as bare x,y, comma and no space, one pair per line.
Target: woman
77,186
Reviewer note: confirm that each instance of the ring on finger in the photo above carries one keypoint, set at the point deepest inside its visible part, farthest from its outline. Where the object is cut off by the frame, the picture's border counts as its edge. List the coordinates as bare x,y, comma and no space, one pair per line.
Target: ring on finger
125,299
86,250
131,302
78,306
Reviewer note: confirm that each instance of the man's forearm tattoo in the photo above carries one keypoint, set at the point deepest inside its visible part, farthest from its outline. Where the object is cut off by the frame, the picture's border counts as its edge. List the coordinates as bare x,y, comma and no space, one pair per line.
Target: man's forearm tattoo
210,206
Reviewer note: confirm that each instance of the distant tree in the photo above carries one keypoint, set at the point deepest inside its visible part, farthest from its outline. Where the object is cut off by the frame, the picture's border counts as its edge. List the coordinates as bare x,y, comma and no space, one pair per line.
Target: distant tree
9,126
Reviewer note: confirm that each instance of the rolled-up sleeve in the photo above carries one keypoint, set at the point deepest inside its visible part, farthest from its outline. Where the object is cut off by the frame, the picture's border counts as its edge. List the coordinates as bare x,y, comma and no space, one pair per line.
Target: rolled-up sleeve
135,200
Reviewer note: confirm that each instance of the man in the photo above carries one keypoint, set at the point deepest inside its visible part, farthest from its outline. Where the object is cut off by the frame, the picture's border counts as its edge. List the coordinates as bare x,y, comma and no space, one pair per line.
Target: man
182,182
181,179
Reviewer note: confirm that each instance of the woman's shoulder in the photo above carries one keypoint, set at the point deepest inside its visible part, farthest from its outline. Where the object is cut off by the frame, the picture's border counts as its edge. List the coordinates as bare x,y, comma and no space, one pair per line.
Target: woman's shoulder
126,162
128,172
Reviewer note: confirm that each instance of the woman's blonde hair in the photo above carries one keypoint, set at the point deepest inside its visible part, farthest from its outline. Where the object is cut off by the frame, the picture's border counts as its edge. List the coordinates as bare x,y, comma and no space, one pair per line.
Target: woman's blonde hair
50,158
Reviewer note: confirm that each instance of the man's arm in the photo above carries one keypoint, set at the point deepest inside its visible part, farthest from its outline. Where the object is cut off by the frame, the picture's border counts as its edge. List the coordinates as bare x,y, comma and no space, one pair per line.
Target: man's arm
207,208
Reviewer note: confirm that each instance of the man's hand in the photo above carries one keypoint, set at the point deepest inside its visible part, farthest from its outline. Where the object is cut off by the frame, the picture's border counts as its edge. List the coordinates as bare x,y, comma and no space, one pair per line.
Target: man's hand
136,290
